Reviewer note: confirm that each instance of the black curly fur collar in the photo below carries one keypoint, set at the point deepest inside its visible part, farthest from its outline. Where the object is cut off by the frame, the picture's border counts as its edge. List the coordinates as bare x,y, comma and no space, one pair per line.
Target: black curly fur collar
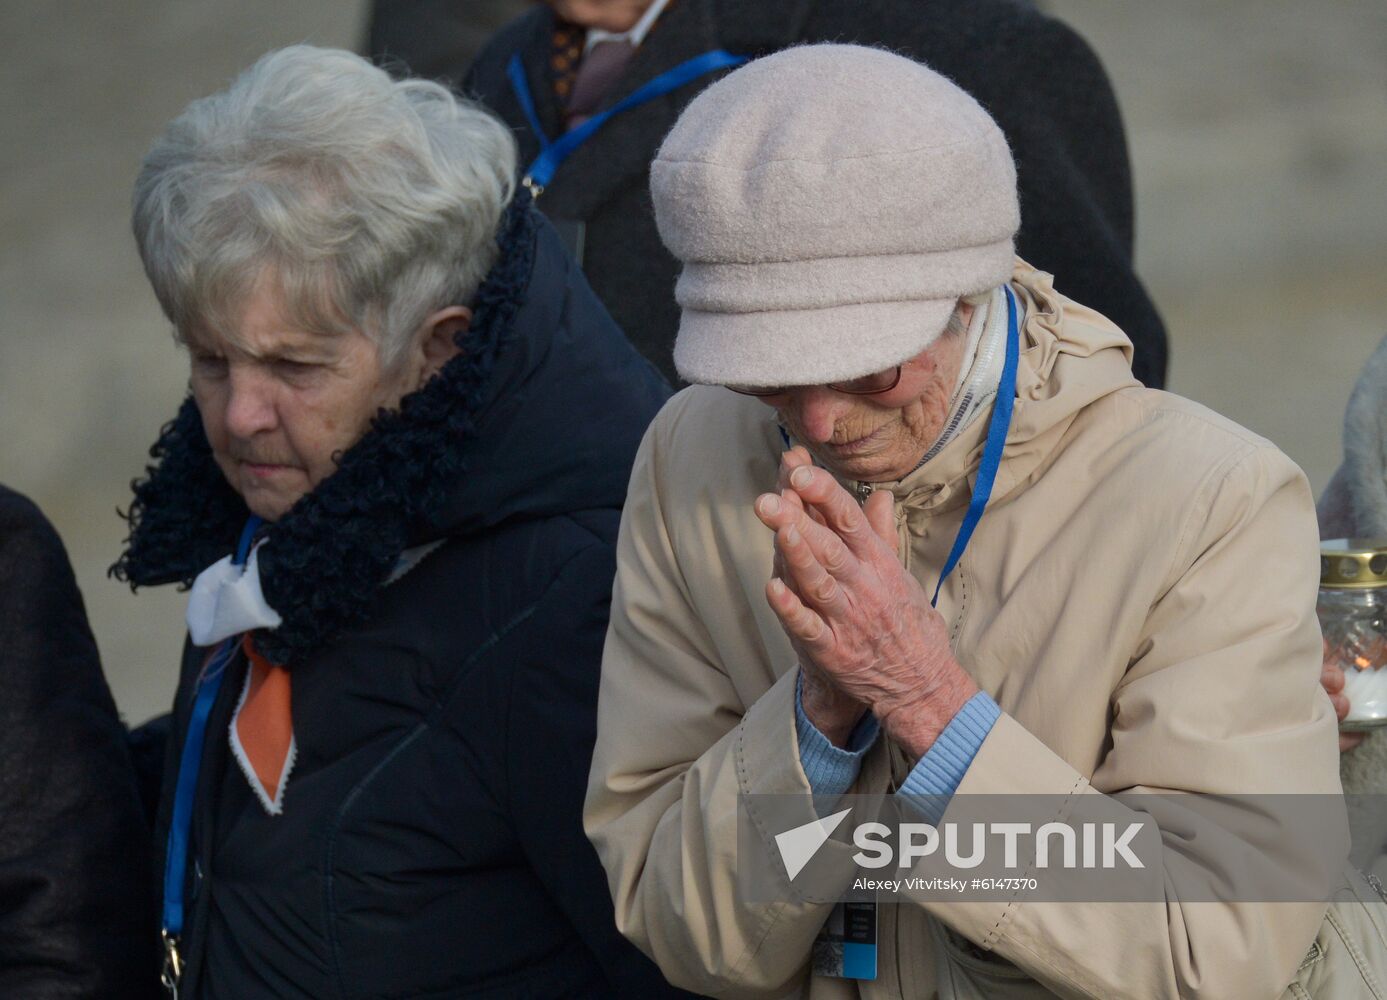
325,559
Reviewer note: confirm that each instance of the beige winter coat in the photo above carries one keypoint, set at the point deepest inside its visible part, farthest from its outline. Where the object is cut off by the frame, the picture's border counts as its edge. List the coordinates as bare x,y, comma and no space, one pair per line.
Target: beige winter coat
1139,600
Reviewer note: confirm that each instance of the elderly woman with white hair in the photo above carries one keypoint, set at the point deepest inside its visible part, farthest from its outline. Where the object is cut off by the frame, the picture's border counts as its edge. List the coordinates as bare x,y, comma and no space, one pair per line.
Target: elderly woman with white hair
394,491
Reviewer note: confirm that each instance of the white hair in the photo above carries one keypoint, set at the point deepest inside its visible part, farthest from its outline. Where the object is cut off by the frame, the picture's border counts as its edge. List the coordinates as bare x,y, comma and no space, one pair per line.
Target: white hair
956,324
369,203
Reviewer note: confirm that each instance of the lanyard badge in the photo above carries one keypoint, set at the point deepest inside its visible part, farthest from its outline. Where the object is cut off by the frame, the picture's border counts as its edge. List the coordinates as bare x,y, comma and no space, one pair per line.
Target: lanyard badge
846,947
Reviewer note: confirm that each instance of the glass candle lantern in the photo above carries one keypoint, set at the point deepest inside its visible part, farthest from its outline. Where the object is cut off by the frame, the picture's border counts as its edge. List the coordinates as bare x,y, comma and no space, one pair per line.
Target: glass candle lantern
1353,617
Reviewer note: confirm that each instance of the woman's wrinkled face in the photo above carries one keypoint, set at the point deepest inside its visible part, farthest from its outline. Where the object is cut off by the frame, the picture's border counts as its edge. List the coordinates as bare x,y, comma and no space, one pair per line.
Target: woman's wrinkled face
879,438
279,404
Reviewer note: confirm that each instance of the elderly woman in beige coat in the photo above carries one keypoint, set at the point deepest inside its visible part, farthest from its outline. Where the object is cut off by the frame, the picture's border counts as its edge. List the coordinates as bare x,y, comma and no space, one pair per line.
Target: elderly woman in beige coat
1123,581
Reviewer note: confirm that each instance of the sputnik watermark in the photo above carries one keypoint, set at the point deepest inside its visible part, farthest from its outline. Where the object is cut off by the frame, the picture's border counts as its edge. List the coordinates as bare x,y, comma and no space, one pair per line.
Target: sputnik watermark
920,840
1091,845
798,846
1079,847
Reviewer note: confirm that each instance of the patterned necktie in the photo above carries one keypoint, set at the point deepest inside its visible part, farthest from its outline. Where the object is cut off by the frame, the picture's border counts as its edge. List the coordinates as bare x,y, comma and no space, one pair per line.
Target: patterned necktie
262,732
600,68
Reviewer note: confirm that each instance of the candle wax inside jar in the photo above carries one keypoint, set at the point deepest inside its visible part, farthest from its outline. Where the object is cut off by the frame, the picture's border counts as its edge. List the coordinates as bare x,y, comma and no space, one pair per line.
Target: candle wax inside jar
1366,691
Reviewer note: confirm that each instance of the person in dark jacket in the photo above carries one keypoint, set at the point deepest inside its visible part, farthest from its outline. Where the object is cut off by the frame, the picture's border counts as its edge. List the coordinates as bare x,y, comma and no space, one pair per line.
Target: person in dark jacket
1034,75
412,422
76,906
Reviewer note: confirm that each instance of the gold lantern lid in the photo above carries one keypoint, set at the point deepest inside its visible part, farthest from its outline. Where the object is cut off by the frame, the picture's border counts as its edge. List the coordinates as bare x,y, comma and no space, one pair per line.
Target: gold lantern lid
1353,563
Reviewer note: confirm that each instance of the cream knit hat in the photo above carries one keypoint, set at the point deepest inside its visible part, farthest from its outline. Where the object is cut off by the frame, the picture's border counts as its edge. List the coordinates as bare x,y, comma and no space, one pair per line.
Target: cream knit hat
830,204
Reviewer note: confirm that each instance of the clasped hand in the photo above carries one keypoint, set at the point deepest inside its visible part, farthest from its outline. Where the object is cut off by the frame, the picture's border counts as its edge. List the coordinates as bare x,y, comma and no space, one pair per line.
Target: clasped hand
863,628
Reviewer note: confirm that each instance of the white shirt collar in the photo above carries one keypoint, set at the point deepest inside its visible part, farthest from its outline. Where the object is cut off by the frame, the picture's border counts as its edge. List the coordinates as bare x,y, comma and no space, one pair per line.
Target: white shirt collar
635,35
226,599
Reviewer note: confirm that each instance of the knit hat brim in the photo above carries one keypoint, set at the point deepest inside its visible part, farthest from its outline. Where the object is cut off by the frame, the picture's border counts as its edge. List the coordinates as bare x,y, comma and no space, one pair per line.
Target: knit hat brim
805,346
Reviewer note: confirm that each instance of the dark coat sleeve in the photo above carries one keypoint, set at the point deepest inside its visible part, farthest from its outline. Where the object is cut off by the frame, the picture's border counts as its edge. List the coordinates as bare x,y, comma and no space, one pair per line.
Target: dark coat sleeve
76,906
550,728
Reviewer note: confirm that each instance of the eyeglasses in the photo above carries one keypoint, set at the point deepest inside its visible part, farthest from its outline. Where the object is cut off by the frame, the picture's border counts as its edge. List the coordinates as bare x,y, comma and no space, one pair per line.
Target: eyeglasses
866,385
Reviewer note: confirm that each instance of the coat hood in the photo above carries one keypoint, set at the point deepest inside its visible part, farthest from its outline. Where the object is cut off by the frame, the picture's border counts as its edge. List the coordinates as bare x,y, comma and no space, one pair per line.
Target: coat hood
539,416
1052,386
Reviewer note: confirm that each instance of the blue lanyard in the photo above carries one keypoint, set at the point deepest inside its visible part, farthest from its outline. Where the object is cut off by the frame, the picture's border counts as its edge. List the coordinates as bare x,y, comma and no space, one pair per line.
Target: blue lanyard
992,450
552,154
189,763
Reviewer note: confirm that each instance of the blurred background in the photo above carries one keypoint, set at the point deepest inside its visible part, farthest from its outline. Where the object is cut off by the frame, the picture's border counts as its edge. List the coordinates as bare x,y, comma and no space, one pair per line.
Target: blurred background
1258,132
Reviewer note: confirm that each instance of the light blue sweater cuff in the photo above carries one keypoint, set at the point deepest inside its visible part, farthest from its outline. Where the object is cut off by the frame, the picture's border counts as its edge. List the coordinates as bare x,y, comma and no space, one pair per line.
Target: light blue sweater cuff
830,770
940,771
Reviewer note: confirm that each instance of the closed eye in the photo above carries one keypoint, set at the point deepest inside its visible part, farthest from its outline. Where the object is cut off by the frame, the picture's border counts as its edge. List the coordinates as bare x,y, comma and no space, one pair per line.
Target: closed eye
294,369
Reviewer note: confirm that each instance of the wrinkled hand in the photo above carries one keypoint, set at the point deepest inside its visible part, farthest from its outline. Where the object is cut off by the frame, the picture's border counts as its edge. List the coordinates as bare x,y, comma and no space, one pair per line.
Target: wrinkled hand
833,713
863,628
1332,679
